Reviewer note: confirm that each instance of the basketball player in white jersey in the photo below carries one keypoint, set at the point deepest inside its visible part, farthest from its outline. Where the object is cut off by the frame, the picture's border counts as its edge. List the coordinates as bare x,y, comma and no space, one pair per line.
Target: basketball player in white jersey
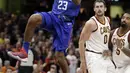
96,56
120,45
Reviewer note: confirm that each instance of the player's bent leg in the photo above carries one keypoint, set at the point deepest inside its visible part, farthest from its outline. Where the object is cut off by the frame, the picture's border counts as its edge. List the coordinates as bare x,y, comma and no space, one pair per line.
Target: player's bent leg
61,60
34,21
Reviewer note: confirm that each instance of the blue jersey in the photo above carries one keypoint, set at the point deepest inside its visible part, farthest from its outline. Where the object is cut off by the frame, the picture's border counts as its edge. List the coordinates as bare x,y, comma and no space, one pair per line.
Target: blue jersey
65,7
60,22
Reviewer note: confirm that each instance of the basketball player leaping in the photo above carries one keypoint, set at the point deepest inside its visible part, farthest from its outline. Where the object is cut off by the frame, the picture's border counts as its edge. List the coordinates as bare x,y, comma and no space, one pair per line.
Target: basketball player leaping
120,45
60,22
96,57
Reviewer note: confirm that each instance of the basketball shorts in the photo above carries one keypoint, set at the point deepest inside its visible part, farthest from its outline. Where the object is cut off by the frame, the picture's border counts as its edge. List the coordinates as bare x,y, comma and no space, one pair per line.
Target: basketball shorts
97,64
61,28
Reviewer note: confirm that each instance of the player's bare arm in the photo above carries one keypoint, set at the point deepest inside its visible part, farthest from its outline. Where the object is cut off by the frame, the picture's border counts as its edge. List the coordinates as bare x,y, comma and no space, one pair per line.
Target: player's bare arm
110,45
77,2
89,27
126,50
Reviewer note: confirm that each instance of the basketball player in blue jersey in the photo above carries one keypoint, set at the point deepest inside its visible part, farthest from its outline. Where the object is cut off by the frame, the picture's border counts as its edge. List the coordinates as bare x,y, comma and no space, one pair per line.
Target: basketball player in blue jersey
60,22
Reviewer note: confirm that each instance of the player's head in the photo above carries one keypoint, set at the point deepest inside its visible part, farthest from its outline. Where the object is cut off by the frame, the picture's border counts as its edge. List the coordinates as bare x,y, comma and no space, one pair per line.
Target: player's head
125,20
99,7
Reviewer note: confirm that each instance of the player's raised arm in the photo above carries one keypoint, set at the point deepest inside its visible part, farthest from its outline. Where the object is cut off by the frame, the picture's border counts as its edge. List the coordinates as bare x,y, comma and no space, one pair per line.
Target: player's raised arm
84,36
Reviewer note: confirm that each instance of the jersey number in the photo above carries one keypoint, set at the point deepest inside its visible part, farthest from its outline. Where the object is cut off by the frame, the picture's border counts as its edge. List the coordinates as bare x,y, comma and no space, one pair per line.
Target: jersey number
63,5
117,51
105,39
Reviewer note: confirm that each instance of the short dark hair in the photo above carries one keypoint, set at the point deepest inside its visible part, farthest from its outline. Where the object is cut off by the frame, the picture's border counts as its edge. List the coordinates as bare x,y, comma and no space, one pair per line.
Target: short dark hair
102,1
127,11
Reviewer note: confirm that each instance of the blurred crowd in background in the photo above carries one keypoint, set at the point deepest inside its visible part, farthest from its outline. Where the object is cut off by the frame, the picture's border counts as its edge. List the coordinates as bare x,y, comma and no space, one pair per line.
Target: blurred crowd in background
12,27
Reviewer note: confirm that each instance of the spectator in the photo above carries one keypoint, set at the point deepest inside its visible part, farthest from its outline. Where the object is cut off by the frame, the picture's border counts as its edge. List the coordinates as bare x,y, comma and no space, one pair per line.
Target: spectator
26,67
72,61
9,70
53,68
7,66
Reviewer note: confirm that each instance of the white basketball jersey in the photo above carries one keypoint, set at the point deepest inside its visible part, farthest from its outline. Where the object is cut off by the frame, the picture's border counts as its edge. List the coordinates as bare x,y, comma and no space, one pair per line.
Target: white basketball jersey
98,40
118,42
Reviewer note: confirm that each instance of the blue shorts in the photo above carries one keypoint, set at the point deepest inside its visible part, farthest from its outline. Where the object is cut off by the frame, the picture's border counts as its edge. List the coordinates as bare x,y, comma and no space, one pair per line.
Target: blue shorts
60,27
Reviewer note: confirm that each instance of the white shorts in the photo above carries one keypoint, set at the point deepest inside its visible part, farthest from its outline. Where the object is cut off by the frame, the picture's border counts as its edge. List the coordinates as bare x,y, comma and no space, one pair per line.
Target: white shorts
97,64
124,69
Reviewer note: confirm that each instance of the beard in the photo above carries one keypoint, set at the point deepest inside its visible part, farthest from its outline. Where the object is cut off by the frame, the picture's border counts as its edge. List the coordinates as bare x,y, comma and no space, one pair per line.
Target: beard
123,24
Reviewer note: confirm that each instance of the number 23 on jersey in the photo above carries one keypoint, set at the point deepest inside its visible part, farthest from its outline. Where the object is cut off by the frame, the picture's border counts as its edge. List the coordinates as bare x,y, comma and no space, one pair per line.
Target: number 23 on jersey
62,5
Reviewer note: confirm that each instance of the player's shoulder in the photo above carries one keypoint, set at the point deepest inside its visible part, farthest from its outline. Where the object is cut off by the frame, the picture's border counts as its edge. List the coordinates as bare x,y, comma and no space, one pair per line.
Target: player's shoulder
91,21
113,30
129,36
108,18
91,24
